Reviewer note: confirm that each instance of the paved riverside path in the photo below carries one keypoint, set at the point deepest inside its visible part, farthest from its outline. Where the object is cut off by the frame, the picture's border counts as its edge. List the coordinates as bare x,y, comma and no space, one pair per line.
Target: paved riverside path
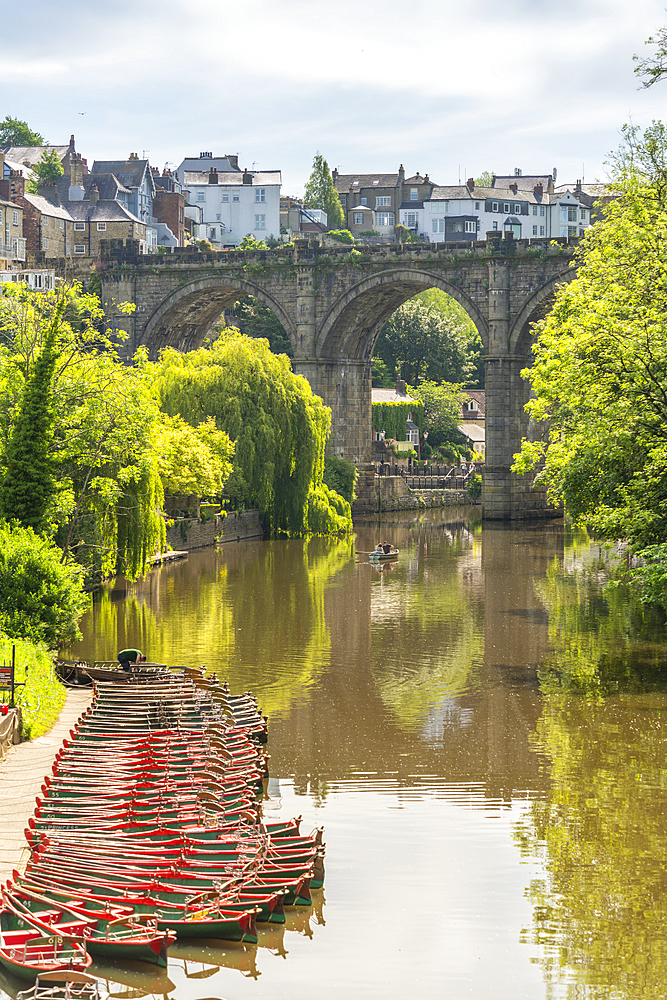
22,775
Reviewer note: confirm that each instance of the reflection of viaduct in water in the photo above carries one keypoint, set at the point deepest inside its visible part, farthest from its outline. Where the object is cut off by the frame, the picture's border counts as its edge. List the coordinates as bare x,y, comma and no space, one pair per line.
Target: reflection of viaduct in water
333,307
348,721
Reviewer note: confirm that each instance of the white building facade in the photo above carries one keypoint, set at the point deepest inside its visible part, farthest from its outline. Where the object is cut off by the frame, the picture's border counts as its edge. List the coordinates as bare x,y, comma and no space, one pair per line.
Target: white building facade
234,203
464,213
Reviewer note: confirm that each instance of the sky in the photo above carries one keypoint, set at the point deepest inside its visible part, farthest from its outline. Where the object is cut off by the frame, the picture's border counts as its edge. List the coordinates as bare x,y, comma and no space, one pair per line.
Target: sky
446,87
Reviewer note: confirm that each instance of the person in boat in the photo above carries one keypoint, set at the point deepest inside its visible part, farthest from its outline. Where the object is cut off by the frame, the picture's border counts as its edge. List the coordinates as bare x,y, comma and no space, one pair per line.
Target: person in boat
387,547
129,656
378,547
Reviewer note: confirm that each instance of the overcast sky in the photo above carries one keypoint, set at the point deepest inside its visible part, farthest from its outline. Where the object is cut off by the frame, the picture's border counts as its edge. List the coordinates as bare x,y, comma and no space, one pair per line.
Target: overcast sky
447,87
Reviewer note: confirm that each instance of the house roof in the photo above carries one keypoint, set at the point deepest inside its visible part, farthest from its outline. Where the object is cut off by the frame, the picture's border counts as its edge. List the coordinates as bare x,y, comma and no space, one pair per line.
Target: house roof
10,204
192,162
19,168
108,185
479,395
412,204
259,177
390,396
344,182
30,155
472,432
129,172
525,183
103,211
46,207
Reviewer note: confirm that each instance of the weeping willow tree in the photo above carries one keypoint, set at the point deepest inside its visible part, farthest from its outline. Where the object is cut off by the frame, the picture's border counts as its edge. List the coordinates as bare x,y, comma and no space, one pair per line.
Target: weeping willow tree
278,425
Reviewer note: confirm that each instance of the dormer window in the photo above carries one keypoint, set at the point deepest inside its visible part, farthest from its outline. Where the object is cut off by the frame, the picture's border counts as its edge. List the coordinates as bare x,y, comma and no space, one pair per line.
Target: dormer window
414,194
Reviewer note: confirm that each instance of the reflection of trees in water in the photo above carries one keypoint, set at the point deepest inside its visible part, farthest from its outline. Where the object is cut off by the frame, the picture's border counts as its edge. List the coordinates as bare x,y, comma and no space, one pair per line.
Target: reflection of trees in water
600,911
427,641
257,621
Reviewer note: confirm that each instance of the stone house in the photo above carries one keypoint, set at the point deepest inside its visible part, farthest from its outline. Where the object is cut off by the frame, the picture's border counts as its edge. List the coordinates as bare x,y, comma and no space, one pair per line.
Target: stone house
47,225
473,419
95,220
12,241
374,201
135,176
29,156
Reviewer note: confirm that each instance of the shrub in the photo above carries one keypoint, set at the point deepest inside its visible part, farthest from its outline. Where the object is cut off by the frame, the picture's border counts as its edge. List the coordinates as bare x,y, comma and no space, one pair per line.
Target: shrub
42,697
475,487
340,475
341,235
41,598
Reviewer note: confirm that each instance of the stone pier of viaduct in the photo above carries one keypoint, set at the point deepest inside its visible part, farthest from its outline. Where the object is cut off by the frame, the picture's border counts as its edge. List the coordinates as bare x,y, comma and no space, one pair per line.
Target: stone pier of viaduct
333,304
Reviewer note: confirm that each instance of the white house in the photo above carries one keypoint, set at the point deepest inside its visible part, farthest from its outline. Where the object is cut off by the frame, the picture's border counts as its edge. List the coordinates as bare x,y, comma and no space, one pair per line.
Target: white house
234,203
529,207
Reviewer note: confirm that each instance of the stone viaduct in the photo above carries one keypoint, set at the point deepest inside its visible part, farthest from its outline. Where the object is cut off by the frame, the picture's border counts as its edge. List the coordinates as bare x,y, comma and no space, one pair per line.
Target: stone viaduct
333,304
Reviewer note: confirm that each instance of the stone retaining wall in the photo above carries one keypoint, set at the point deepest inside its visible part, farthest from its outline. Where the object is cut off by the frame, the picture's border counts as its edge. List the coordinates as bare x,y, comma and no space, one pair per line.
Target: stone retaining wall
193,533
376,494
10,730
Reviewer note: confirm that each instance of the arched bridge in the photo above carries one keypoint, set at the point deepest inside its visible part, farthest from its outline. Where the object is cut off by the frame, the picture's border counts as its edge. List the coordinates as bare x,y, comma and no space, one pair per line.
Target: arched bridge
333,304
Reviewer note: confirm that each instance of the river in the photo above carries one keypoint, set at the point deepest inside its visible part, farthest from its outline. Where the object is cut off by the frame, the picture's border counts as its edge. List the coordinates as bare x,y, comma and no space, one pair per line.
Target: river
480,728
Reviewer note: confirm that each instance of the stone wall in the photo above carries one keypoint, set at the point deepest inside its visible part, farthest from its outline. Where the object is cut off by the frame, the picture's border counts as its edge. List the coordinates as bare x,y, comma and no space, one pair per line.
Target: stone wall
376,494
193,533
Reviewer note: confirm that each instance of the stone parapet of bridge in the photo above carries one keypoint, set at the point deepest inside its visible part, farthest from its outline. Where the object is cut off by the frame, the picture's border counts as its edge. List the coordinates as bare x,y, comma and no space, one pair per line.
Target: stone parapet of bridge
333,303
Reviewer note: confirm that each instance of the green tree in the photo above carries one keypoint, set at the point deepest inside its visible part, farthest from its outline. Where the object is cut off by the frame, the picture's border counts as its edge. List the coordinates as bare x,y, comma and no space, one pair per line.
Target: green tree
28,485
41,595
193,460
485,179
442,406
321,193
257,320
422,342
48,168
600,372
279,427
652,69
18,133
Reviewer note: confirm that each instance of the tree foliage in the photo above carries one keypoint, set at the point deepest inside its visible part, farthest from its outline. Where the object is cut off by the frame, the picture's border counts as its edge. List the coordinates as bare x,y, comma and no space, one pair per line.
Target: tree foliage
430,338
41,595
600,371
18,133
257,321
193,460
48,169
654,67
321,193
441,404
279,427
340,476
485,179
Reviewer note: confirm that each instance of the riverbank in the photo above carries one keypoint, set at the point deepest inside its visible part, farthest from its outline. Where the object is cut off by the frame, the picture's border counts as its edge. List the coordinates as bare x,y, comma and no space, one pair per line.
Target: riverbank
380,494
191,533
21,777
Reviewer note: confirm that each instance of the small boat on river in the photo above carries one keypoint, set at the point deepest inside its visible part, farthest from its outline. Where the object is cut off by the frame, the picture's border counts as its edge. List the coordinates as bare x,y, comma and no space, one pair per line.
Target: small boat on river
383,556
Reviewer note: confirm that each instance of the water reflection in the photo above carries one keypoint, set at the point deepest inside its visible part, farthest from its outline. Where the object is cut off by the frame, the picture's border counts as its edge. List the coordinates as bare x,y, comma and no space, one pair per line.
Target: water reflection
481,691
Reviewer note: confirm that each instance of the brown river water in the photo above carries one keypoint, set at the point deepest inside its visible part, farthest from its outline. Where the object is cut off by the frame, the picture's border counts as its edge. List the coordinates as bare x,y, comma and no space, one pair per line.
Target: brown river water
481,728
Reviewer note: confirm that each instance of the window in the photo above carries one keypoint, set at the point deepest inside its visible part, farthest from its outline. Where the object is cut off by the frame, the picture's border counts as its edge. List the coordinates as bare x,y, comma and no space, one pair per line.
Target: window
235,196
583,215
79,248
225,196
517,209
571,214
260,194
260,222
357,218
457,227
494,206
201,196
471,227
218,217
434,225
46,244
0,216
571,231
15,219
495,225
80,227
477,206
363,201
563,230
541,230
506,207
384,218
534,230
534,209
101,227
382,201
414,194
213,231
542,210
411,221
62,224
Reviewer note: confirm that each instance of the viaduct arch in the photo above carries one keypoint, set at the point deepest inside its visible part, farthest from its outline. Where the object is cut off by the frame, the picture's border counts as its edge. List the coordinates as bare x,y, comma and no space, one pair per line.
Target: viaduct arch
333,304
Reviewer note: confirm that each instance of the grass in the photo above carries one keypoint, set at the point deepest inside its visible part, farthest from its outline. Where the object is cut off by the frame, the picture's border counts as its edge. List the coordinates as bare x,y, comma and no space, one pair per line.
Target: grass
43,696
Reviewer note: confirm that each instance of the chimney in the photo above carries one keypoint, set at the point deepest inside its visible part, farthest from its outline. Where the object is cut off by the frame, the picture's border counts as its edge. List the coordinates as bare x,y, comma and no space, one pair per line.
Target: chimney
247,177
334,174
50,192
538,190
426,179
233,161
470,183
76,190
401,388
94,195
577,186
514,188
213,176
2,165
13,187
401,174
